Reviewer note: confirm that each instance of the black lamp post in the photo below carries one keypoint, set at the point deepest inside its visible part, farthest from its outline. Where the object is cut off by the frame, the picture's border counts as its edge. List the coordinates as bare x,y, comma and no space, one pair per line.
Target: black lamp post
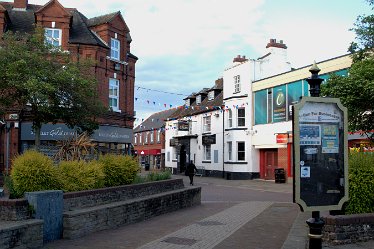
315,223
314,81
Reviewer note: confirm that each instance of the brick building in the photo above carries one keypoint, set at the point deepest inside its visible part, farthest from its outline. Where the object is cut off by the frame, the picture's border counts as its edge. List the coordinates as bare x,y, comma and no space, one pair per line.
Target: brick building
105,39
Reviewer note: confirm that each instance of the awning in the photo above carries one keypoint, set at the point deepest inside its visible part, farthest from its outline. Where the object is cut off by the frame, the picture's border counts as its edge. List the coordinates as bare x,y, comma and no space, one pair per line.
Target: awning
270,146
149,152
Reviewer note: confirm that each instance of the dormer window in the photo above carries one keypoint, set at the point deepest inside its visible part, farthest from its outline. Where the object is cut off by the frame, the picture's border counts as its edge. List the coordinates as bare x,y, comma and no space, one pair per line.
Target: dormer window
188,102
198,99
53,37
211,95
114,49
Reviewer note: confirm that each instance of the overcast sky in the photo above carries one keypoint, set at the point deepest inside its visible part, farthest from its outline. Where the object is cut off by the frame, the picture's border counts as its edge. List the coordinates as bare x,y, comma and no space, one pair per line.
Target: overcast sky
184,45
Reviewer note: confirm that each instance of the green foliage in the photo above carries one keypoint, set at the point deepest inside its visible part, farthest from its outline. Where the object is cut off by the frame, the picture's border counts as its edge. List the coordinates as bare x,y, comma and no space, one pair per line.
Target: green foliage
153,176
361,183
118,169
80,175
33,171
47,82
356,92
8,185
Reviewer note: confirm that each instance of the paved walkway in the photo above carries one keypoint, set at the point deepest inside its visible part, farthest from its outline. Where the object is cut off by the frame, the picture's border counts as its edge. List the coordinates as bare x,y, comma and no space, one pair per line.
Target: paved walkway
219,225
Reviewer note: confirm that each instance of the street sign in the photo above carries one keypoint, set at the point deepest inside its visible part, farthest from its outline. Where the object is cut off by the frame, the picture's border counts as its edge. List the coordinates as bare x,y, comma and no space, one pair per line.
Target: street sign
321,154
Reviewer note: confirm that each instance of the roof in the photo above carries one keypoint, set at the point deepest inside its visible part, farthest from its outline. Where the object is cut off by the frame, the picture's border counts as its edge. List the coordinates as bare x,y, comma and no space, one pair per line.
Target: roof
155,121
80,33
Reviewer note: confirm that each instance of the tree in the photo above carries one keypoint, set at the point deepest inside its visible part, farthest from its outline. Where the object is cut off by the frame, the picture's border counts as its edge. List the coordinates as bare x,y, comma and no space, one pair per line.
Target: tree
46,83
356,91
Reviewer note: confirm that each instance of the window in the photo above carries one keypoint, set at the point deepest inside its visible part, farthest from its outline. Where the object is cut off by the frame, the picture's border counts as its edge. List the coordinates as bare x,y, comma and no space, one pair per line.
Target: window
114,94
206,123
158,136
229,121
211,95
135,138
241,151
241,117
198,100
140,138
146,137
53,37
229,150
175,154
187,103
236,83
152,137
114,49
207,152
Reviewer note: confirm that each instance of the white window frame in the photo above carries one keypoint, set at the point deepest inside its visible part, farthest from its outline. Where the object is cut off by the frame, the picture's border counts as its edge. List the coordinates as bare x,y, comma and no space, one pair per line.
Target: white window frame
158,136
237,148
187,102
115,49
229,151
241,118
51,39
229,118
207,123
211,95
237,84
207,152
114,87
152,139
140,138
175,154
136,139
198,99
146,137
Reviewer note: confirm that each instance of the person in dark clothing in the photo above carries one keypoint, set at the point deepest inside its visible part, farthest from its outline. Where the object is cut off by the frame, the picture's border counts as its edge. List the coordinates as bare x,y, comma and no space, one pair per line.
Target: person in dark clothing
190,171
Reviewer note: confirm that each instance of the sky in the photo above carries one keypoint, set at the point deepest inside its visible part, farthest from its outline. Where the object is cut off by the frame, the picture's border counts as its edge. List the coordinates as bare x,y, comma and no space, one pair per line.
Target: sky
185,45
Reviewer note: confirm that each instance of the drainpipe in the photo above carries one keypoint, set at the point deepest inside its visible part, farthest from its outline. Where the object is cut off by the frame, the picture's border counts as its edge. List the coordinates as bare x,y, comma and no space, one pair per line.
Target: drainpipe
223,143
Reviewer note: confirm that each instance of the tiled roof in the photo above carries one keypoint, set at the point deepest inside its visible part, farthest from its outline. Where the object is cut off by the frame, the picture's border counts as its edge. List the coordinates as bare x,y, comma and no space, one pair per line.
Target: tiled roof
102,19
23,21
155,121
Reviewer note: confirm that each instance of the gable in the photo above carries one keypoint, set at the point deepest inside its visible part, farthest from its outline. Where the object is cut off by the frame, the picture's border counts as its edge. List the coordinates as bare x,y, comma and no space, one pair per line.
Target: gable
119,23
53,9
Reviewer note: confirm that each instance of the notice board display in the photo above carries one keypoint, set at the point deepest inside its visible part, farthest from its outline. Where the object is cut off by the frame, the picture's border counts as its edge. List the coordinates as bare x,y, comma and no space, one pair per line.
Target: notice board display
321,154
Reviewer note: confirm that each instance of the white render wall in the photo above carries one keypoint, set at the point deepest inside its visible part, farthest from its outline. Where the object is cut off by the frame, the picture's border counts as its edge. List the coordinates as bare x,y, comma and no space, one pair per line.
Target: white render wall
264,135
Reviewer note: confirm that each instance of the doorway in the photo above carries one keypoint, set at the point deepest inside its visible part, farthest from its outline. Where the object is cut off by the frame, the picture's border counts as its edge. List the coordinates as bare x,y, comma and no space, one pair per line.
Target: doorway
182,158
270,163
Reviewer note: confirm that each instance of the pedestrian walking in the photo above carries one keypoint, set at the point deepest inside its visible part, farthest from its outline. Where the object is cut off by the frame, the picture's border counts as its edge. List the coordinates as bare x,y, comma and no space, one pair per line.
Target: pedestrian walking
190,171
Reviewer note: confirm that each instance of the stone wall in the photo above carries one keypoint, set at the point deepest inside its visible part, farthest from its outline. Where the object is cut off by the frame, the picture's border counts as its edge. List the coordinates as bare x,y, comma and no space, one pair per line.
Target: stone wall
346,229
14,210
80,222
90,198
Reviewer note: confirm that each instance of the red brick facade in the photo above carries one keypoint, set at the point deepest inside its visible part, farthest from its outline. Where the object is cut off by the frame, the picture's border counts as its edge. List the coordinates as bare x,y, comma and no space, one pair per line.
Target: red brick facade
98,31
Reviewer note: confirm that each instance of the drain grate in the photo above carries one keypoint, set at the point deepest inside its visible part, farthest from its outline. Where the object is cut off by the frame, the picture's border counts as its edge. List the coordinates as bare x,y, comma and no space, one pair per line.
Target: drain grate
210,223
180,241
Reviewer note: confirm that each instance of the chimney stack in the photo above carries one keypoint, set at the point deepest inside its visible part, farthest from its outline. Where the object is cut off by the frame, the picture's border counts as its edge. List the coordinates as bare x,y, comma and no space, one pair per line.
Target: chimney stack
273,43
20,4
240,59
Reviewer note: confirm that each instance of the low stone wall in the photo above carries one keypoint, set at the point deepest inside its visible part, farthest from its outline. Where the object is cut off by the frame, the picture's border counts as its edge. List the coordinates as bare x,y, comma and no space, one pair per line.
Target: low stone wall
21,234
80,222
90,198
14,210
346,229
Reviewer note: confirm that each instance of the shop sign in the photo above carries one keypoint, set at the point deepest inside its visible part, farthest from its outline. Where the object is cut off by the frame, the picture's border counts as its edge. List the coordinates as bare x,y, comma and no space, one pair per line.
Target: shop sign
282,138
209,139
173,142
321,154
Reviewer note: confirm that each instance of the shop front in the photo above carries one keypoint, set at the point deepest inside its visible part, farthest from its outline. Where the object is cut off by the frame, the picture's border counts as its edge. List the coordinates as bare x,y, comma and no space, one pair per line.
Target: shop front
149,158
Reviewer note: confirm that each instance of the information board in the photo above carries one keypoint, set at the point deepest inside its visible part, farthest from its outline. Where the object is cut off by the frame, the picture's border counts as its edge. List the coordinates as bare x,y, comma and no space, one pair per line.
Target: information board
321,154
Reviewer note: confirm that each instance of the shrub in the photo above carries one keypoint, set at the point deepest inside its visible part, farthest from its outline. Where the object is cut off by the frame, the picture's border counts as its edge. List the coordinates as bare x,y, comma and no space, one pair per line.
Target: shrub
118,169
361,183
80,175
33,171
158,176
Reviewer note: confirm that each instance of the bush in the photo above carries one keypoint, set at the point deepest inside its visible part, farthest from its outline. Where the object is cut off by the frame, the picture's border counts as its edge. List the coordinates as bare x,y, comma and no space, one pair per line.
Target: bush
361,183
80,175
33,171
153,176
118,169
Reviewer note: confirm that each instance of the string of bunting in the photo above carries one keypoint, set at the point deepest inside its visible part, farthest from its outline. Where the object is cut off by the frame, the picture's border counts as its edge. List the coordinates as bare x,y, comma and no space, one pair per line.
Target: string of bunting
218,108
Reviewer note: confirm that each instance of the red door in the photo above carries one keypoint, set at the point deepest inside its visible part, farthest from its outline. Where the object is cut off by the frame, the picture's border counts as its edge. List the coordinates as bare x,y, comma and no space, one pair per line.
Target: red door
270,163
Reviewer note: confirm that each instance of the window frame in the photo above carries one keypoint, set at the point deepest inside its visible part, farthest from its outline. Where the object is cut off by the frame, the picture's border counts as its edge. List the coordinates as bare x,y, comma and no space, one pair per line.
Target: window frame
229,118
50,39
207,124
135,139
198,99
114,50
241,119
240,152
211,95
229,150
207,152
237,84
146,137
114,85
152,137
158,136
